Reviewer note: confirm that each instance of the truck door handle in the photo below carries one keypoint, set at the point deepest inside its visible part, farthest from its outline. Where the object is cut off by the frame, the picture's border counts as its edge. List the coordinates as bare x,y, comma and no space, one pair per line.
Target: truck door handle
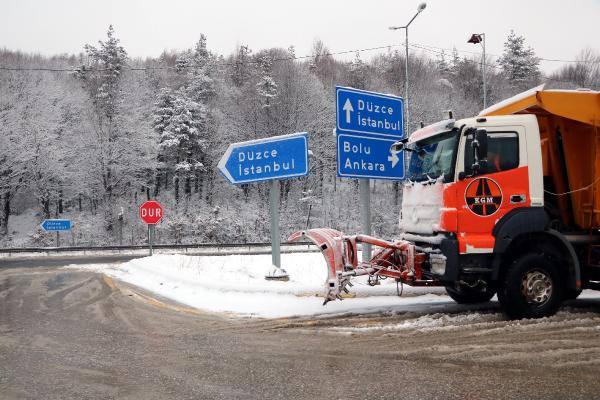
517,198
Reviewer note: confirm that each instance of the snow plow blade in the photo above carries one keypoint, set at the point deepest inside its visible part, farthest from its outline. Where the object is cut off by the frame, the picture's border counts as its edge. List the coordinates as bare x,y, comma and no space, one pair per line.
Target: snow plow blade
398,260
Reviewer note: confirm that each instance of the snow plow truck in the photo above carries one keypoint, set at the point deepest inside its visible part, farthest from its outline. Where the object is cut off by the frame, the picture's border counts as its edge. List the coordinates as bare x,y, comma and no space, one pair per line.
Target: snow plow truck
506,203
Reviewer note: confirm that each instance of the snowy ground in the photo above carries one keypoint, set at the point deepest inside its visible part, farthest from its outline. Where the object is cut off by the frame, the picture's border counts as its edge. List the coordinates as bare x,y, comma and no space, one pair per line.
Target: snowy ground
236,284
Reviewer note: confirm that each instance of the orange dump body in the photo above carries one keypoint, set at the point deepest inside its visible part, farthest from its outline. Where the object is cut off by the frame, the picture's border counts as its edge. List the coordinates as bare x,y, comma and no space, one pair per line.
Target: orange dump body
569,122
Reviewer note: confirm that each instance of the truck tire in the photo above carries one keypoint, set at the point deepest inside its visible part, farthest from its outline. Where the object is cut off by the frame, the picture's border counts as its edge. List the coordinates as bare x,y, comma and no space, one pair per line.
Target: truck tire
531,288
469,296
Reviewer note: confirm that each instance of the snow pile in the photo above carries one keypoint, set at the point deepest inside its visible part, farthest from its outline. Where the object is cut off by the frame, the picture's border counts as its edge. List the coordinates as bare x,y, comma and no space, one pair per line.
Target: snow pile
426,323
483,323
421,207
236,284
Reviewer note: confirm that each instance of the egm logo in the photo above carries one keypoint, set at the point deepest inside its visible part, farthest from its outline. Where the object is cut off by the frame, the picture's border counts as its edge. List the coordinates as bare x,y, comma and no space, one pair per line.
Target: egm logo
483,196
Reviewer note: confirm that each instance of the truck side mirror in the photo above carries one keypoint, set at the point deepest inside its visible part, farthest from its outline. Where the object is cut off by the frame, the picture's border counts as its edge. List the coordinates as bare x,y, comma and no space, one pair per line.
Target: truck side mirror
480,149
482,139
397,147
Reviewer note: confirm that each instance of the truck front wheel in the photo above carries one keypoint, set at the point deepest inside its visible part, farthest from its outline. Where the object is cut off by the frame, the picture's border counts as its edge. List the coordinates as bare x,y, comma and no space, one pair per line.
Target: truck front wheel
531,288
463,295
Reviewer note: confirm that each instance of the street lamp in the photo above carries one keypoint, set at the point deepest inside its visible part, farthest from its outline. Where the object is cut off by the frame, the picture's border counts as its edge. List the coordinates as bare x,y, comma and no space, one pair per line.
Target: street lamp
480,38
420,8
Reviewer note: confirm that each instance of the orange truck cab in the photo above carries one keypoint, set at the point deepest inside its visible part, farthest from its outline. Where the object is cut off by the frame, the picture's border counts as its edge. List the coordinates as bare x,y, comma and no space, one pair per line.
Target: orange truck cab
506,203
511,200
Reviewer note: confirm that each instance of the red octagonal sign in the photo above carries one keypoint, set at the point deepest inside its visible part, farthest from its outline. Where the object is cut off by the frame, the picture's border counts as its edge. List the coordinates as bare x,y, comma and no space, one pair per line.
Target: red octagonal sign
151,212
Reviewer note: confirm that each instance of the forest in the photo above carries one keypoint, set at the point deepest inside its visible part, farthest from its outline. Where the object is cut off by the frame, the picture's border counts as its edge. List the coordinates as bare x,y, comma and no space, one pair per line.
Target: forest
90,136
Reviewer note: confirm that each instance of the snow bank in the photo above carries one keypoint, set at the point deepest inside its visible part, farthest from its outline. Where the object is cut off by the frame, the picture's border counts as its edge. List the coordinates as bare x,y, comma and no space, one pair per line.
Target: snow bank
421,207
483,323
236,284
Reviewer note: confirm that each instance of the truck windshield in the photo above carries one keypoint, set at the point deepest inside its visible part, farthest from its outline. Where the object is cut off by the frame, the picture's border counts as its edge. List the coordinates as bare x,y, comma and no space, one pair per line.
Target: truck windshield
433,157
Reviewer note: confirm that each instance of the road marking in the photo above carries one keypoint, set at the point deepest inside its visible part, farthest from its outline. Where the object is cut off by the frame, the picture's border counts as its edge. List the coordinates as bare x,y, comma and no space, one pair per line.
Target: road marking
149,300
110,283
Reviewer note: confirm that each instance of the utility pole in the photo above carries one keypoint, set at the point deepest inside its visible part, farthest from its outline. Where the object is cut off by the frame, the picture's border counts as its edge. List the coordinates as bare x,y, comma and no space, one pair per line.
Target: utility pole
480,38
405,27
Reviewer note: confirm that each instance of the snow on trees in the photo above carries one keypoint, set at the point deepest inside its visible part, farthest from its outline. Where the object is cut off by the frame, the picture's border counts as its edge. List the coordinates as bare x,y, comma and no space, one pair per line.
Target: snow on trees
101,78
112,135
519,63
179,121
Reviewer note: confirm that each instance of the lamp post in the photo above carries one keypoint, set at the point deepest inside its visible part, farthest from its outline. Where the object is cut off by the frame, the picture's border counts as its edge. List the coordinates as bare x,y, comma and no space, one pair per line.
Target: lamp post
480,38
420,8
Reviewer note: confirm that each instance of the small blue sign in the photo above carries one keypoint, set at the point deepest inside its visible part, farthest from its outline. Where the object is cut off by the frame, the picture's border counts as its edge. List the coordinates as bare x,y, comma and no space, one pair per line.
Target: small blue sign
54,225
369,113
368,157
278,157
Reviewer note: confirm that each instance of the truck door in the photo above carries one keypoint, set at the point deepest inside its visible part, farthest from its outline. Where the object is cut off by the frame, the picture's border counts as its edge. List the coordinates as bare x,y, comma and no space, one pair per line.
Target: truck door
501,185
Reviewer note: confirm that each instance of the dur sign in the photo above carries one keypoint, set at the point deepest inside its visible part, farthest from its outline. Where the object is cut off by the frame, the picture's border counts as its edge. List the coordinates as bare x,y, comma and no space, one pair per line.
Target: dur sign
278,157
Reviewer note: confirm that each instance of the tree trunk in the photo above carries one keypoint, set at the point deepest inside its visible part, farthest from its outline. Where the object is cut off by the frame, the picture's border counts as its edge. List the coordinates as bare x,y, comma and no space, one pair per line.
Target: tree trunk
60,202
157,185
5,213
46,207
176,188
187,186
79,201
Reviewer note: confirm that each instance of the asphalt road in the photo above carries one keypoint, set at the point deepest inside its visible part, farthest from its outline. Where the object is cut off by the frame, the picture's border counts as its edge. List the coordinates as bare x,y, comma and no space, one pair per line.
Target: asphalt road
66,334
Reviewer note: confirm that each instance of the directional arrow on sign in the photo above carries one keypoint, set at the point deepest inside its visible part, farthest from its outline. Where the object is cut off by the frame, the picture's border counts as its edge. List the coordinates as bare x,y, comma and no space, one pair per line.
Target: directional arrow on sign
348,108
278,157
393,158
54,225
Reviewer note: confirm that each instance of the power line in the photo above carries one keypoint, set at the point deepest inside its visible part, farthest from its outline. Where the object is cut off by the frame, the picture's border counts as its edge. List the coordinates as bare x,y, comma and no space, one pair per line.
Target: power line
428,48
190,66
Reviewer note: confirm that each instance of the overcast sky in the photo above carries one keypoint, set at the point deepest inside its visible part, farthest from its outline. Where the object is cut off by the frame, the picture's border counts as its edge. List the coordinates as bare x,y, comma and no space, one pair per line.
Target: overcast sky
556,29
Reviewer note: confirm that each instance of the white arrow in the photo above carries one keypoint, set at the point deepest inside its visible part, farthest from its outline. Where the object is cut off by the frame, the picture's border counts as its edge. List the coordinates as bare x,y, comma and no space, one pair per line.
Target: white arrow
348,108
393,158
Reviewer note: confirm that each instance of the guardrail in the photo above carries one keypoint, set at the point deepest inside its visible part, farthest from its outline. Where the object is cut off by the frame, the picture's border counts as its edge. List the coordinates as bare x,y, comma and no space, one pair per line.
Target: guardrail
204,248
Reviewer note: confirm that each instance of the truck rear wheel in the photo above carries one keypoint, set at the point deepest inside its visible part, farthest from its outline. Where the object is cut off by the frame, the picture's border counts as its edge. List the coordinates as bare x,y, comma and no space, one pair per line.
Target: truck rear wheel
463,295
531,288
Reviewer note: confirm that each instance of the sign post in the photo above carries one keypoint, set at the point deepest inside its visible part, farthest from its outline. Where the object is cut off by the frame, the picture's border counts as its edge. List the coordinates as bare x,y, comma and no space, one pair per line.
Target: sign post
56,225
274,214
367,124
268,159
151,212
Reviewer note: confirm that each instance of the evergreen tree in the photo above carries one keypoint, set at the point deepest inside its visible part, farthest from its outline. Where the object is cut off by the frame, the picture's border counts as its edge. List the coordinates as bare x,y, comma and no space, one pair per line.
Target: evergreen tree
102,78
442,65
358,73
266,86
519,63
179,122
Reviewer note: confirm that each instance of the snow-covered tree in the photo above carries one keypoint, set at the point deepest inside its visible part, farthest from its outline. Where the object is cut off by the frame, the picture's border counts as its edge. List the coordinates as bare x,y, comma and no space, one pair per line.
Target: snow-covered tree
518,62
584,73
179,122
101,78
358,74
266,86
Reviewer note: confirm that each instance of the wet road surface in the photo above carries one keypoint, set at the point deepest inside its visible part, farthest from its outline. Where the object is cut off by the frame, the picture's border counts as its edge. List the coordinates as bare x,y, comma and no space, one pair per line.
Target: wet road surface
67,334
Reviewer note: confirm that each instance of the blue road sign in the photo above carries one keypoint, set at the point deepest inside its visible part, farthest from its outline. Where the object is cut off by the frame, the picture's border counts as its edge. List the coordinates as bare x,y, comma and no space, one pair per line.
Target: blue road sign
278,157
368,113
54,225
368,157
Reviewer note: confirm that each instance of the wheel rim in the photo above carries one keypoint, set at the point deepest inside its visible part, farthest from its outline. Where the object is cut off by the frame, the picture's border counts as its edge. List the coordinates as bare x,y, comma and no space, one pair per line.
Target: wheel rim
536,287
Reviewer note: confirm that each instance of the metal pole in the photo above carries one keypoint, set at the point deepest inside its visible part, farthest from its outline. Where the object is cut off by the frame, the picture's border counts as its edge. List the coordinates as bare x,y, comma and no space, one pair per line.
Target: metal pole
150,236
57,239
407,119
483,72
365,213
274,214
